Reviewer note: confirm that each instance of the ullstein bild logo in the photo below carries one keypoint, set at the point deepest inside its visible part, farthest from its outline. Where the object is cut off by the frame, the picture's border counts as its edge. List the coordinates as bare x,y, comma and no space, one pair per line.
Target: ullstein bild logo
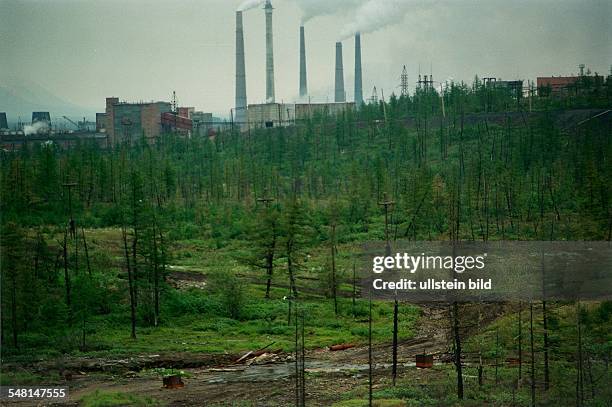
487,271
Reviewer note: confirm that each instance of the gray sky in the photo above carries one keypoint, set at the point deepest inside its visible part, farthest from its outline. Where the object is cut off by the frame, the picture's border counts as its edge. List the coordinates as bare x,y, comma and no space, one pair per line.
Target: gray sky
83,51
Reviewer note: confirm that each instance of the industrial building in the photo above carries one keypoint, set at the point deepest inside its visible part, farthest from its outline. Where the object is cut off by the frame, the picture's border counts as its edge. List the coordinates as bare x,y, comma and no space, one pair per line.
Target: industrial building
202,122
17,140
43,117
127,122
3,121
273,114
555,84
270,115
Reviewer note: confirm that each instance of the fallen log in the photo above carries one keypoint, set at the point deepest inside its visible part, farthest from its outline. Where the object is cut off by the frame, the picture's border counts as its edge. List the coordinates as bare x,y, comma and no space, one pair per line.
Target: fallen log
256,353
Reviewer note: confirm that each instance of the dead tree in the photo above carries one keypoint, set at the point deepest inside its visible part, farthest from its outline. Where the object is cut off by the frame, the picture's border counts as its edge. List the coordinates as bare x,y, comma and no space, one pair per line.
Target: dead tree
370,352
86,252
579,367
545,323
66,273
386,203
533,384
334,250
354,290
520,343
457,341
131,282
271,244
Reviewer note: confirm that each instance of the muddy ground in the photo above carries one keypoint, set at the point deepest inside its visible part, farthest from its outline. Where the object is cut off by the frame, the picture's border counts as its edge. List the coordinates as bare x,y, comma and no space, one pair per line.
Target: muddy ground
267,381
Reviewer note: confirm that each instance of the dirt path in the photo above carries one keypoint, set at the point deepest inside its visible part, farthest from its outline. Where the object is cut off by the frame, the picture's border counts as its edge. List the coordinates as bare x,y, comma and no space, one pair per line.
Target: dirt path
216,379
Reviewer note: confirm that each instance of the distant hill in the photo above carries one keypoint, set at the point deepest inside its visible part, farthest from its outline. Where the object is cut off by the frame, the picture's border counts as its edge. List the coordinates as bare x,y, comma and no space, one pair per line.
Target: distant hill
19,98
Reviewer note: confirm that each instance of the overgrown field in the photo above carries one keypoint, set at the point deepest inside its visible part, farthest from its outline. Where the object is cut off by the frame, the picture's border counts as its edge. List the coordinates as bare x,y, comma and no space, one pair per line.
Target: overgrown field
204,245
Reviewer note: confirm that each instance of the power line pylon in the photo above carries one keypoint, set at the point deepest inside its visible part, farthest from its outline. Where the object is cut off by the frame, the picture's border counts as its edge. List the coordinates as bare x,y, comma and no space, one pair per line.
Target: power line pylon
404,82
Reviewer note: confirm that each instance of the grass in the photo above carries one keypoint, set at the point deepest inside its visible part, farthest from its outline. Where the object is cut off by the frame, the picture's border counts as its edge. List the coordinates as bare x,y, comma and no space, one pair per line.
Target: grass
265,321
194,320
109,399
375,403
20,377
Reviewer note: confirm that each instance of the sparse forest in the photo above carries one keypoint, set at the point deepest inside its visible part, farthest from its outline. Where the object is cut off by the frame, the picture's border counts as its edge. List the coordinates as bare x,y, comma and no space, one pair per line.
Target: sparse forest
214,246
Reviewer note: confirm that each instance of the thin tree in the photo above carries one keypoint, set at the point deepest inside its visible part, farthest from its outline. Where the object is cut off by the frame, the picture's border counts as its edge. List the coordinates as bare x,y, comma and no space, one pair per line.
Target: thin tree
520,344
386,204
531,344
130,281
333,249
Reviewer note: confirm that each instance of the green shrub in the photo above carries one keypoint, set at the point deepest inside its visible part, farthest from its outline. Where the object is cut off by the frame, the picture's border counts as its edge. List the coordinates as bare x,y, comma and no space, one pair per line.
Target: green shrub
109,399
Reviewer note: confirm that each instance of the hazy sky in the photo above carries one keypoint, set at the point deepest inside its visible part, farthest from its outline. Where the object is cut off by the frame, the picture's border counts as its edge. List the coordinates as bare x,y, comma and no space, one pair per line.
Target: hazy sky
85,50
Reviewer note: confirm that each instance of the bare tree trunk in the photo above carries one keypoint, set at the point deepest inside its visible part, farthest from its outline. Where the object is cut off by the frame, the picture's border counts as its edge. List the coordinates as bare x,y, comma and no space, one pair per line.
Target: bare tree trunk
546,345
395,313
457,358
14,307
333,266
354,290
533,395
86,252
155,279
520,343
270,261
497,355
130,283
370,354
66,274
580,381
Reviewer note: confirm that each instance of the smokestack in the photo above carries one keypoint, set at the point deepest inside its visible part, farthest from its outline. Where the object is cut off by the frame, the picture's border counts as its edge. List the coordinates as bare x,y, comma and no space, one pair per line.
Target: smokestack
303,83
339,93
269,54
358,84
241,98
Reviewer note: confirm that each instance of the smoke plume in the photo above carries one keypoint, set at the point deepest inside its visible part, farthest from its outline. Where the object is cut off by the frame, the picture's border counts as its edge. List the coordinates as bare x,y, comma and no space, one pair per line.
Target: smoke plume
249,4
315,8
38,127
373,15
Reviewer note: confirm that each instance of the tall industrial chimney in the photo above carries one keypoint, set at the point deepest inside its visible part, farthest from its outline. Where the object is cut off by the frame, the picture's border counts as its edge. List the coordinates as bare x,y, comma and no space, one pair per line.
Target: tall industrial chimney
241,98
358,84
339,96
269,54
303,82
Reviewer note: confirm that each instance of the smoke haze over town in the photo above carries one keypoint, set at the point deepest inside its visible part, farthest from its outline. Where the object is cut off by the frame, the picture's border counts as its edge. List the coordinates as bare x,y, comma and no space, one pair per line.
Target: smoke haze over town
144,50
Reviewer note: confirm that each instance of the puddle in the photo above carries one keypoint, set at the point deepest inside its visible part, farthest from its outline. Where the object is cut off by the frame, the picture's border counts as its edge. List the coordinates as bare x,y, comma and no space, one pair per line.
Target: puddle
278,371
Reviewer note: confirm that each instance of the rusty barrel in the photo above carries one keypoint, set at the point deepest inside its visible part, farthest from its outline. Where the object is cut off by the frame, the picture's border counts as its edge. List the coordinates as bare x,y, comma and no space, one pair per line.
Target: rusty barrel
173,382
424,361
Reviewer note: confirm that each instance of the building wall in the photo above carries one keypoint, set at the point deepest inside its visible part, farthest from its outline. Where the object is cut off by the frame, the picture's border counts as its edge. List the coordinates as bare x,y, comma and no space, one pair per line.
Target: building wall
127,124
557,84
202,123
134,120
110,118
41,117
3,121
285,114
270,115
101,122
185,111
151,118
307,110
